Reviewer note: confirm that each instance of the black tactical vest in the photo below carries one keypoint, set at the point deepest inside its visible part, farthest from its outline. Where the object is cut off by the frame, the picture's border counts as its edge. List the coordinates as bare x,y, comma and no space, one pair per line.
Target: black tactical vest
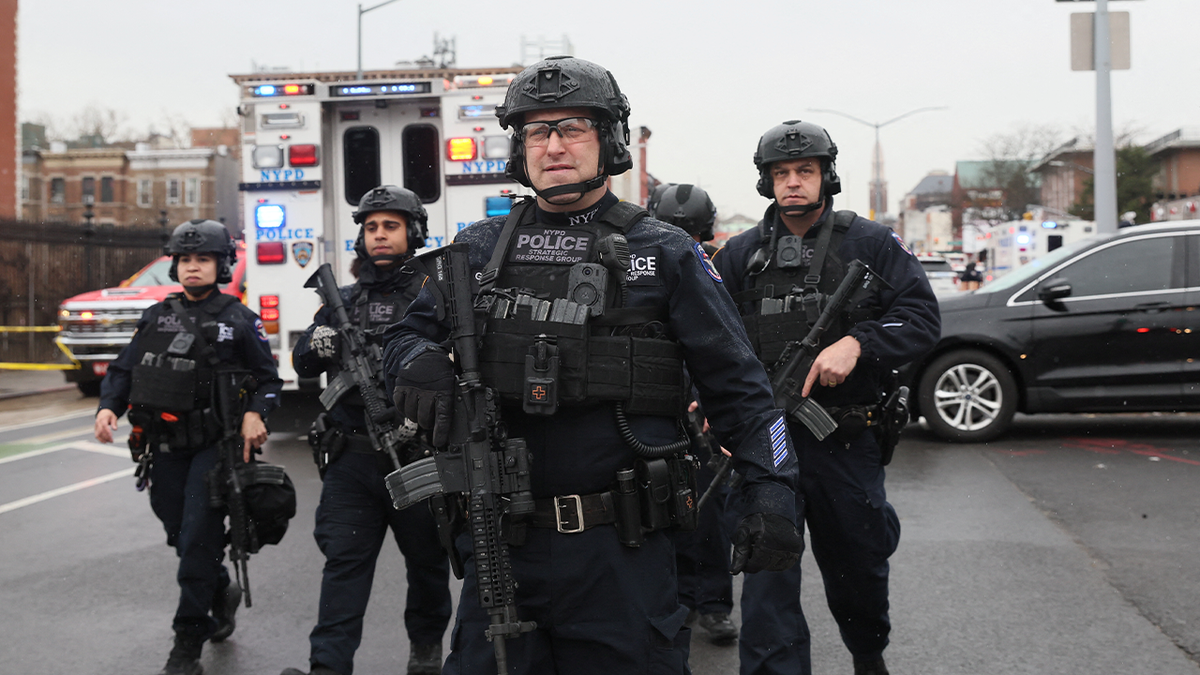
172,372
781,303
556,329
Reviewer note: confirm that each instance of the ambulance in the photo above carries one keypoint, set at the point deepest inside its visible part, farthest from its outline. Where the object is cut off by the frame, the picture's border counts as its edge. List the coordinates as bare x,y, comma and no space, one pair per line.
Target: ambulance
314,143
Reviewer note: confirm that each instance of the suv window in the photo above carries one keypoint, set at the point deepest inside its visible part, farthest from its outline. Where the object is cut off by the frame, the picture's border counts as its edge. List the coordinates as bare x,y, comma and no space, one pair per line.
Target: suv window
1134,266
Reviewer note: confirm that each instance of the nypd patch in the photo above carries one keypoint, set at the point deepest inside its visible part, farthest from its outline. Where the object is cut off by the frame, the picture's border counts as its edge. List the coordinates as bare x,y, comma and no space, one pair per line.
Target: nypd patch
779,451
706,262
901,242
261,330
549,245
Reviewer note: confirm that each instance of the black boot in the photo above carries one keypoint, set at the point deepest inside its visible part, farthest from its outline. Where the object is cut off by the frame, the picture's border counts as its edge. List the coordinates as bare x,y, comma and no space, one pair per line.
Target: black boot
185,657
870,667
425,659
224,607
720,629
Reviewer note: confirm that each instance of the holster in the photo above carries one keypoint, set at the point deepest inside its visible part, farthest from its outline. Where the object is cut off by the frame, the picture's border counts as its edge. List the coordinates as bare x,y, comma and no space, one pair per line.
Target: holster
895,415
327,442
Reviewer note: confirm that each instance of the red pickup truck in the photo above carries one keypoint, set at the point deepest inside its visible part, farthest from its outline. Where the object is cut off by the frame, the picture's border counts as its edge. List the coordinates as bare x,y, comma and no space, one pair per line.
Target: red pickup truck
96,325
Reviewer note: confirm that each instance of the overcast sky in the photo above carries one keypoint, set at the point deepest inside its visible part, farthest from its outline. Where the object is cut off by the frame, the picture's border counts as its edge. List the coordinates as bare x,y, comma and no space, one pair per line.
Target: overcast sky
708,78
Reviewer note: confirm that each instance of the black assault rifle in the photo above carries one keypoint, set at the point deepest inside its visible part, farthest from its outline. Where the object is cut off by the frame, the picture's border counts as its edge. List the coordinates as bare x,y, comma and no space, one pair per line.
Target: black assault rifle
480,461
797,359
227,480
362,369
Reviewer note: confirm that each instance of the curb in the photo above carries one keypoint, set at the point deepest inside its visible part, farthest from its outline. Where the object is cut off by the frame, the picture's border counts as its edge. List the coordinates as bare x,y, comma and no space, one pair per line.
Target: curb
35,392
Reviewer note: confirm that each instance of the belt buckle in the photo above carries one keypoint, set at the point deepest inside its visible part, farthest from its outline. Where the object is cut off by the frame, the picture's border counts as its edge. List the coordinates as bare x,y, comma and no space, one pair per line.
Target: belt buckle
558,513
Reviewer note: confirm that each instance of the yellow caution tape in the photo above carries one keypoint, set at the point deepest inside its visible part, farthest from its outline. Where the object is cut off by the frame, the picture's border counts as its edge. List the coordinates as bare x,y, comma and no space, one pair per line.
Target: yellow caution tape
30,329
73,365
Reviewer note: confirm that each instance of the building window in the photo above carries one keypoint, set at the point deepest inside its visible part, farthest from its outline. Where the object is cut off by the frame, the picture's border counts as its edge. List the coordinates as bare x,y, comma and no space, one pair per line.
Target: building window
58,190
192,194
172,191
25,188
89,190
145,192
106,189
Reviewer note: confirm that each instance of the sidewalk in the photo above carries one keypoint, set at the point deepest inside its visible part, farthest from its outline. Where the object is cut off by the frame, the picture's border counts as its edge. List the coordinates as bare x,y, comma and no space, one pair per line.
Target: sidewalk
15,383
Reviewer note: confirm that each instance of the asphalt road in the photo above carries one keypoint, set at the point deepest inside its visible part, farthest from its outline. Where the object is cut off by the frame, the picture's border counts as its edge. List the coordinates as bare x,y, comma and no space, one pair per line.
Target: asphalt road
1067,547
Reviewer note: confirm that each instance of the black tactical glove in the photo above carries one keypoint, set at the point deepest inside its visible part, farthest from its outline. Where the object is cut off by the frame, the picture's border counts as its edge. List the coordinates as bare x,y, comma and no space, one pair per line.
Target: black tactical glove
425,394
765,542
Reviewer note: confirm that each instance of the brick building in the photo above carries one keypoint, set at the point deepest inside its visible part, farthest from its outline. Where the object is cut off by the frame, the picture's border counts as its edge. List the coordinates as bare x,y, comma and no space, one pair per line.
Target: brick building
10,156
131,186
1177,184
1064,172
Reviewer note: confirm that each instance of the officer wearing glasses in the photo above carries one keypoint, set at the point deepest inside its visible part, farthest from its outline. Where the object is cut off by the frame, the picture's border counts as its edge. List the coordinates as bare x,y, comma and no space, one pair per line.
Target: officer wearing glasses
626,302
795,259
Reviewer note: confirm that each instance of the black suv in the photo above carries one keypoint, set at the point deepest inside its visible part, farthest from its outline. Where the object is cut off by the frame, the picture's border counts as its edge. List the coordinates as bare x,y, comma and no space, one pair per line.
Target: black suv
1109,324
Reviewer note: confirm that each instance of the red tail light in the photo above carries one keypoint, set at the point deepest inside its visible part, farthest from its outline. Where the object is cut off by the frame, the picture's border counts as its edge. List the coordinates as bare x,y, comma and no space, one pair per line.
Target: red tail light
270,253
269,315
303,155
268,301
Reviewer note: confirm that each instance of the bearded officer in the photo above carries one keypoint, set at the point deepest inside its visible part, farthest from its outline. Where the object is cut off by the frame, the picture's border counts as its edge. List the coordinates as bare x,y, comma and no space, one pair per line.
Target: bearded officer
356,512
600,606
164,378
802,248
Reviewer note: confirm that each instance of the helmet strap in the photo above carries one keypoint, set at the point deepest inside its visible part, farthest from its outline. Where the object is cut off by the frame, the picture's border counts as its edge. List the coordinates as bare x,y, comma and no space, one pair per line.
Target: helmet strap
801,209
579,188
199,292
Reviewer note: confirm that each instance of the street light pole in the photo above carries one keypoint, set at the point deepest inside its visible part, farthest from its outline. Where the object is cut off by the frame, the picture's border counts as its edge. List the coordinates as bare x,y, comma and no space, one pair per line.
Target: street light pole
362,11
877,205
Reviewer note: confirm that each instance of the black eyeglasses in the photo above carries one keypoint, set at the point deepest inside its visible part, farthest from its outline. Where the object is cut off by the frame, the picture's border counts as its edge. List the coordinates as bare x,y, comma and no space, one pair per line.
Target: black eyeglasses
570,130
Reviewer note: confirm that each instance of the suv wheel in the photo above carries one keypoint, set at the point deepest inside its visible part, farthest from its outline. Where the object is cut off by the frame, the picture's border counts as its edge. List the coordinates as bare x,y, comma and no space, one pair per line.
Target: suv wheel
968,396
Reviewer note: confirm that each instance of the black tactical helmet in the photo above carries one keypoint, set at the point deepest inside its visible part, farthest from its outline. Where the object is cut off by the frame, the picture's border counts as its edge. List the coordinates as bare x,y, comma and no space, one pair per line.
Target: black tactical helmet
392,198
203,236
568,82
688,207
794,140
656,196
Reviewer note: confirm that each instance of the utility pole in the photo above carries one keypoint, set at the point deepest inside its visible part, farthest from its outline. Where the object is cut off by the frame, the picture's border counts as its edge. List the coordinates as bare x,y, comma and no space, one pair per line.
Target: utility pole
1104,158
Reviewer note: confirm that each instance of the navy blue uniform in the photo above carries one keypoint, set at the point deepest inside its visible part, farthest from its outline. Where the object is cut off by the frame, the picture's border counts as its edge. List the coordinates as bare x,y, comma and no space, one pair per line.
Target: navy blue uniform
601,607
178,490
356,511
852,527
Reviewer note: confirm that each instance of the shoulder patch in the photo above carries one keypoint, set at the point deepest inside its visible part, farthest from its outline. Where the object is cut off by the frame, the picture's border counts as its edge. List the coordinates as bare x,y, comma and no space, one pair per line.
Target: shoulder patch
260,329
900,241
706,262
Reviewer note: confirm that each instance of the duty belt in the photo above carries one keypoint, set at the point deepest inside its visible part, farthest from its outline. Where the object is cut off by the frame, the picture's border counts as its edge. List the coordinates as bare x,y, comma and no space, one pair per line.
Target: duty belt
572,514
360,444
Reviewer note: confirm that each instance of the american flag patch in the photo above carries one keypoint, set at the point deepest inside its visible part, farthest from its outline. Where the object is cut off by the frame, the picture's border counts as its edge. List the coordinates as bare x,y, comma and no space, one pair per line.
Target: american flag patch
779,442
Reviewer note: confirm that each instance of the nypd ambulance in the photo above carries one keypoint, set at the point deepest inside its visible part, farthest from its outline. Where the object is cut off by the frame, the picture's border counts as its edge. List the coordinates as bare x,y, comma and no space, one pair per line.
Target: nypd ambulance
314,143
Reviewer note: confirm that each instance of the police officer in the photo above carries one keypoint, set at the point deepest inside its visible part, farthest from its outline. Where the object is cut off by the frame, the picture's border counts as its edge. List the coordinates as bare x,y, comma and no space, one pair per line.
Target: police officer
599,606
801,248
355,511
702,557
164,377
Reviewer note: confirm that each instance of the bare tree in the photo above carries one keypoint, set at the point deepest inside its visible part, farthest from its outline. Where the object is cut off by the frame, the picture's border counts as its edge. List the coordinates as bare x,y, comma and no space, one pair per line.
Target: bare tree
1009,158
100,126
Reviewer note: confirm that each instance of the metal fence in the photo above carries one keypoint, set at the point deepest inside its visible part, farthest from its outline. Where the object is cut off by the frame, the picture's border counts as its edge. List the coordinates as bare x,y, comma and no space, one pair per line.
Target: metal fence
42,264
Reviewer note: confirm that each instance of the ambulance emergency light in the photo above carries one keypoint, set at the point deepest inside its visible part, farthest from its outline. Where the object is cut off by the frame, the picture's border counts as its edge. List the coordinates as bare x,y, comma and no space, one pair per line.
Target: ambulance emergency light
270,90
381,89
496,206
460,149
269,216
